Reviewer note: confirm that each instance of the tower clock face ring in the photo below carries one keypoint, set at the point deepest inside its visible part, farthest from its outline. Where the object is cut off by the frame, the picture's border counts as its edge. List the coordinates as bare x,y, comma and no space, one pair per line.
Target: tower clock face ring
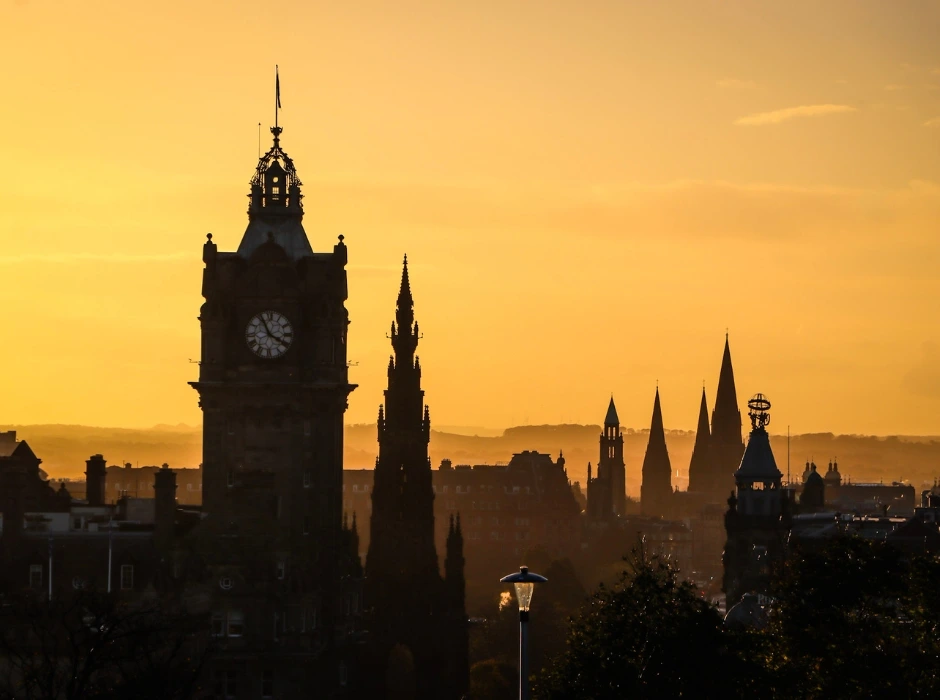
269,334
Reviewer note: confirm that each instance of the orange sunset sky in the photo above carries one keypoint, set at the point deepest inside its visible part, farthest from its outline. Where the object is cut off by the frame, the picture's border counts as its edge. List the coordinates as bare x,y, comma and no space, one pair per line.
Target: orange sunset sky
589,194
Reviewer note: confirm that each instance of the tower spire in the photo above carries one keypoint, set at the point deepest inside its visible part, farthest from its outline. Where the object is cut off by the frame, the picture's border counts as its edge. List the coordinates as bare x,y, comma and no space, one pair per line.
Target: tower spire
726,446
698,465
657,431
405,300
405,336
403,588
275,209
611,418
656,488
726,399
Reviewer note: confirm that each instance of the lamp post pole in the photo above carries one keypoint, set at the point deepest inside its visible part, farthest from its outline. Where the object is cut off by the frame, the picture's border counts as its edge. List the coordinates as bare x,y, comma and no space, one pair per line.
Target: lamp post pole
524,583
523,655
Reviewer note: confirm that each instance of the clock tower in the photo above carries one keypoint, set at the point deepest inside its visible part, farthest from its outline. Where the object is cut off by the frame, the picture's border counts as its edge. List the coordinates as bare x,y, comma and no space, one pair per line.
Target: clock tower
273,383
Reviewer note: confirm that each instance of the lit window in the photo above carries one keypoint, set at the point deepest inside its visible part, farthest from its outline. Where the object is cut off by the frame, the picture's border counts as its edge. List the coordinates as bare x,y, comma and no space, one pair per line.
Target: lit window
35,576
127,577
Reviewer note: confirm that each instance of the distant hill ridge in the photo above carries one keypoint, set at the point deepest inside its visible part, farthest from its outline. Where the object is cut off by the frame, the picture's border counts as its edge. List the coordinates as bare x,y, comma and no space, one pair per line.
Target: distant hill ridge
64,449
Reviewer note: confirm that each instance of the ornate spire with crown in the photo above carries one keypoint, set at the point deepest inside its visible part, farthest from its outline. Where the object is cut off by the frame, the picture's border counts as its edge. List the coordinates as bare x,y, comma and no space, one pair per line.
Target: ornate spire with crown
758,463
758,518
275,209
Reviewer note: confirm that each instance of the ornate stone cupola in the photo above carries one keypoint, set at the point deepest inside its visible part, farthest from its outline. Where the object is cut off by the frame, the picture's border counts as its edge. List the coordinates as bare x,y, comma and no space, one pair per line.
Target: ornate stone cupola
275,206
758,480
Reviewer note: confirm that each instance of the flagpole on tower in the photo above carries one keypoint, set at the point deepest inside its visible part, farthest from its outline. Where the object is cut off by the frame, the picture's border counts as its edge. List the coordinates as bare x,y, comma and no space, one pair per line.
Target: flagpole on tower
277,94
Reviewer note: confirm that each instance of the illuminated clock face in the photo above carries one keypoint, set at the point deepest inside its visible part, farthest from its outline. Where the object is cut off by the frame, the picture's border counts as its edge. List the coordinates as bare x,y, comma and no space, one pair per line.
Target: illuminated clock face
269,334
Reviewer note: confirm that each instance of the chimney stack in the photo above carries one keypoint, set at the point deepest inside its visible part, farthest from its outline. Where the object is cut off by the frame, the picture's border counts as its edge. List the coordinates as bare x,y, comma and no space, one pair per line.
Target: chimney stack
96,475
164,490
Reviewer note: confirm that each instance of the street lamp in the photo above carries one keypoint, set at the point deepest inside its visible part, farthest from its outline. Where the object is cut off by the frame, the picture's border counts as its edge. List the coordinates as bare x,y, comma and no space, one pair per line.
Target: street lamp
524,583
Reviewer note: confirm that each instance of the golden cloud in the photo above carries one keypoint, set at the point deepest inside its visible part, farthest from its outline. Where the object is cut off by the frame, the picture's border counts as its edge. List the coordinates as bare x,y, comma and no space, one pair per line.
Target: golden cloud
782,115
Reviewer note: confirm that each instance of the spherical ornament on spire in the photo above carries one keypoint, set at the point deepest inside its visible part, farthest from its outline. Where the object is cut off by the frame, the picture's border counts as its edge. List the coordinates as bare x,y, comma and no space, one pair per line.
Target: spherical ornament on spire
759,411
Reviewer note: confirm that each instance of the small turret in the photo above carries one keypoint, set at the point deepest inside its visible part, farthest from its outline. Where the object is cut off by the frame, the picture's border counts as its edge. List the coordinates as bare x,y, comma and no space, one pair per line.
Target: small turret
833,477
813,497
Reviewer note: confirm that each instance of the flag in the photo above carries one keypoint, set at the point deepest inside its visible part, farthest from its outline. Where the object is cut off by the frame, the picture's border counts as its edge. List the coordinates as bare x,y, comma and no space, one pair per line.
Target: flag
277,87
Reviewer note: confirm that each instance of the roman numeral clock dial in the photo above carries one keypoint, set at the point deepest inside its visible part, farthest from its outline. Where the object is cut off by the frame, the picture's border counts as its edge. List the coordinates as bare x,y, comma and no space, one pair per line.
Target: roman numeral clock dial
269,334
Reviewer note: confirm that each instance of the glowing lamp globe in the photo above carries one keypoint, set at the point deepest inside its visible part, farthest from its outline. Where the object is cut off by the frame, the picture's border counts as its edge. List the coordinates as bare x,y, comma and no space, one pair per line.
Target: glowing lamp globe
524,583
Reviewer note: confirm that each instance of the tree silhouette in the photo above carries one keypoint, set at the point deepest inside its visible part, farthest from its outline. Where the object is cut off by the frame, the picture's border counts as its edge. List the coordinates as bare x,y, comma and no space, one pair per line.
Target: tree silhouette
650,636
88,645
855,619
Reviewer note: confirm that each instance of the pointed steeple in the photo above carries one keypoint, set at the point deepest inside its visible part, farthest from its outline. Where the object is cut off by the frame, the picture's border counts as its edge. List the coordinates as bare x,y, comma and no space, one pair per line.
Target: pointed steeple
405,301
405,331
403,588
726,446
611,418
656,488
727,415
657,432
699,464
703,428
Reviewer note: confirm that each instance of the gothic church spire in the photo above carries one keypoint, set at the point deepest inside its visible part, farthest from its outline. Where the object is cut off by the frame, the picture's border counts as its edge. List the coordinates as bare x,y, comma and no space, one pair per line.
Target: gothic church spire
699,464
656,489
727,446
